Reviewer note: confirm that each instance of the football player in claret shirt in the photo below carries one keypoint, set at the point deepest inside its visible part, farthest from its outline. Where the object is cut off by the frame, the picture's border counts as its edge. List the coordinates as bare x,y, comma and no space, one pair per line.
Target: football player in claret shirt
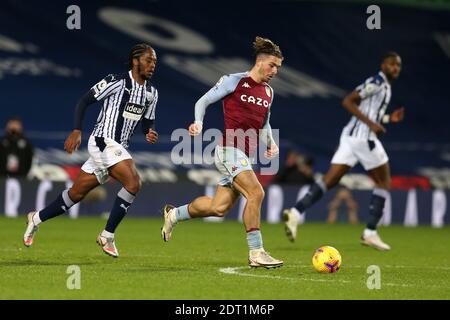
247,99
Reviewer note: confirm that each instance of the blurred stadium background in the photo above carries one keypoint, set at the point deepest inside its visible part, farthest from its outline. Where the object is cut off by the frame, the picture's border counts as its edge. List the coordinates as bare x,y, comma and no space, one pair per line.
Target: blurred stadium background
45,68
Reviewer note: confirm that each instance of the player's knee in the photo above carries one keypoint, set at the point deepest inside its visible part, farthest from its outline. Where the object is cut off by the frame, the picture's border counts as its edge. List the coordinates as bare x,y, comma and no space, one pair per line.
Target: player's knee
332,182
134,186
388,183
257,195
76,195
384,184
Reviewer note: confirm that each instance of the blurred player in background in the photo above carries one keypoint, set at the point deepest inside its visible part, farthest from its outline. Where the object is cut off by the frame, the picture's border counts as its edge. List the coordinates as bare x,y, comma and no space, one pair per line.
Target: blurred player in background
16,150
298,170
127,99
359,143
247,98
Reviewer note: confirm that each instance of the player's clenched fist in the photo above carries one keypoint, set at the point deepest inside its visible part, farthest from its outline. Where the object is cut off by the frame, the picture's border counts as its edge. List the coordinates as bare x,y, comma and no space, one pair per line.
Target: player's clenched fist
397,115
73,141
272,152
151,136
195,129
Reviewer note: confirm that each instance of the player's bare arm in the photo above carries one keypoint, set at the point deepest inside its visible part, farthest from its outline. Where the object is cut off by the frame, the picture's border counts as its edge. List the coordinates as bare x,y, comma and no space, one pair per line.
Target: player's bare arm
213,95
351,102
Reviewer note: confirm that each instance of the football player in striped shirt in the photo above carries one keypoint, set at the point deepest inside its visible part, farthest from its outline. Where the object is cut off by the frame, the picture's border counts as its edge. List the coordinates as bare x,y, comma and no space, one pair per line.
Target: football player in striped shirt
128,99
247,99
359,143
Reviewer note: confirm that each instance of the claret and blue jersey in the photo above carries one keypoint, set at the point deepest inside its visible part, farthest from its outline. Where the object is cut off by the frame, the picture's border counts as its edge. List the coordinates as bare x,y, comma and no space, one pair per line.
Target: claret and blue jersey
246,106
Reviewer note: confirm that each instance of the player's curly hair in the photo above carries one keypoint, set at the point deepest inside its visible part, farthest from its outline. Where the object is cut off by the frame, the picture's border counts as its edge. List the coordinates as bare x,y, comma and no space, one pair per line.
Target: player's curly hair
389,54
137,51
266,46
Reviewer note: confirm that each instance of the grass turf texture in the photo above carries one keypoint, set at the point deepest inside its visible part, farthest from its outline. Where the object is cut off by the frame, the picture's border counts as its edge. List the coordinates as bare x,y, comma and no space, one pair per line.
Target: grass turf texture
188,267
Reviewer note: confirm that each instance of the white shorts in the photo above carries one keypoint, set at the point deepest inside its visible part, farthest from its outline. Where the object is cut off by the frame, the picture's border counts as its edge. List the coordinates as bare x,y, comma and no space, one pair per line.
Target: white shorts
104,153
352,150
230,162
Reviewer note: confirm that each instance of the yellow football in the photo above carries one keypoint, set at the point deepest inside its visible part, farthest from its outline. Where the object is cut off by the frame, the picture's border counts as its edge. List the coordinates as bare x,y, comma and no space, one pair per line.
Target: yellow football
326,259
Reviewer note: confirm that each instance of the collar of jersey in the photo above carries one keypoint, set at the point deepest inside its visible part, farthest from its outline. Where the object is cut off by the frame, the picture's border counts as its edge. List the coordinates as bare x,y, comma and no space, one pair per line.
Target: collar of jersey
381,73
247,75
132,79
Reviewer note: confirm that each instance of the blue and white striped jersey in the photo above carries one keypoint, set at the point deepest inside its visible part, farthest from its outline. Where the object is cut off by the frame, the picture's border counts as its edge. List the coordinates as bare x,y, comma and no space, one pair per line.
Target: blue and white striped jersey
125,102
375,95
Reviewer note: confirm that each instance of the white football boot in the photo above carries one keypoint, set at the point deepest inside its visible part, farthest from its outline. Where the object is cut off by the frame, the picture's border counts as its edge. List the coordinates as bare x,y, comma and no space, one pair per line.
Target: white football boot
31,230
108,245
169,222
372,239
260,258
291,219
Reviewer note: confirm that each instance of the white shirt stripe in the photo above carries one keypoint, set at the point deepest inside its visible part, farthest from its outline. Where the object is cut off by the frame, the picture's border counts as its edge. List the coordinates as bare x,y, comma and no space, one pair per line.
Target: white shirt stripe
375,95
117,92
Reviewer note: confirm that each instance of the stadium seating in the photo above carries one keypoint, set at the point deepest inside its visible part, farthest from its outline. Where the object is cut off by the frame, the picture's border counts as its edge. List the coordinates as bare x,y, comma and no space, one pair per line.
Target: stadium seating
45,68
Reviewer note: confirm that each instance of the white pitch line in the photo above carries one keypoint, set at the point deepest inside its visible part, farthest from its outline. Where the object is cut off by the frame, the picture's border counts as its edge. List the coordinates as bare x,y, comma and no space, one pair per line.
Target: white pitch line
383,266
11,250
418,267
235,271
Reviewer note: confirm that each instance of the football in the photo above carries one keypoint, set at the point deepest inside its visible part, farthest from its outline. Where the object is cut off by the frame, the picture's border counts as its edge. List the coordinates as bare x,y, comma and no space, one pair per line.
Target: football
326,259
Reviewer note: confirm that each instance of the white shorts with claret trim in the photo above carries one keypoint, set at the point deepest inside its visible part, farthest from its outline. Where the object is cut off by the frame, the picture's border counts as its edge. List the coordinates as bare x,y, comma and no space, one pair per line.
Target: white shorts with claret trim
104,153
351,150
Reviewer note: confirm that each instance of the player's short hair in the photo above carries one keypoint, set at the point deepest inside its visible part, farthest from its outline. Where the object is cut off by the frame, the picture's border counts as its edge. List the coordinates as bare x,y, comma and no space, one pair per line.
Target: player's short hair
389,54
14,118
266,46
137,51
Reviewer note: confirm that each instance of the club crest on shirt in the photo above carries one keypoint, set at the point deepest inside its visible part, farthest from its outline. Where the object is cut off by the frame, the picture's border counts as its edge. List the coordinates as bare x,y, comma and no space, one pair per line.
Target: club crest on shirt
370,87
268,92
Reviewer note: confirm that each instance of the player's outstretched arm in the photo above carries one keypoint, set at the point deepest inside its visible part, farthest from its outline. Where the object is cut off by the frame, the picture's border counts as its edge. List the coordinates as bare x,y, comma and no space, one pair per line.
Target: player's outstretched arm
351,102
200,110
73,141
223,87
272,149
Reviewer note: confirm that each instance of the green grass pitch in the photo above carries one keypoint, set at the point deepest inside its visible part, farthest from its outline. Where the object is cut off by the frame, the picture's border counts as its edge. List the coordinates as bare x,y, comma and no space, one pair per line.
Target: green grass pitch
207,260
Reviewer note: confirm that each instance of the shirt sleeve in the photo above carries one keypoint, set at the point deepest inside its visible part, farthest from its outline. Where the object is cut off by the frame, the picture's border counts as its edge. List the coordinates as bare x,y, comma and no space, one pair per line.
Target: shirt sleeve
226,85
150,112
267,130
80,109
106,87
370,87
